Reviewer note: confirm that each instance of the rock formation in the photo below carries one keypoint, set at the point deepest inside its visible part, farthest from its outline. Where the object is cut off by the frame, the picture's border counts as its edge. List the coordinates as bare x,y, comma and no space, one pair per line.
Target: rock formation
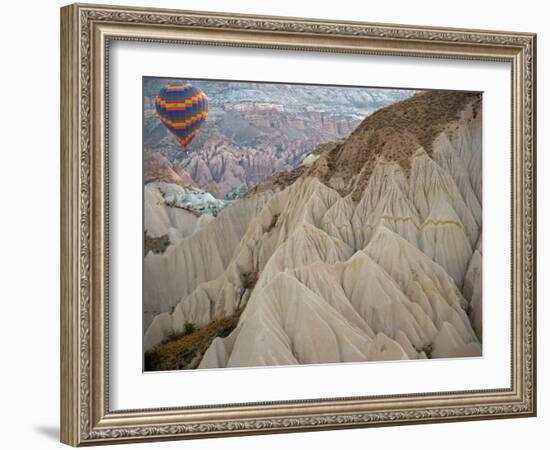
372,251
254,130
196,258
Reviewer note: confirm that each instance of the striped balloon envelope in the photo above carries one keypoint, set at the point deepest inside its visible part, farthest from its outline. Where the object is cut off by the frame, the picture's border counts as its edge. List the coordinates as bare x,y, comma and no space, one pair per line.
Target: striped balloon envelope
182,108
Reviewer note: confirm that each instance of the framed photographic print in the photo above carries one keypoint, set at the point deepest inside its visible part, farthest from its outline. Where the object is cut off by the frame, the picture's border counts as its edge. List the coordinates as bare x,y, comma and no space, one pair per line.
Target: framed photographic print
277,224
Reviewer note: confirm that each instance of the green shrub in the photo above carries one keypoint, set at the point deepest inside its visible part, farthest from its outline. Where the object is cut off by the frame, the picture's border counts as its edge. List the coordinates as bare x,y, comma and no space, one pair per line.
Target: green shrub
189,328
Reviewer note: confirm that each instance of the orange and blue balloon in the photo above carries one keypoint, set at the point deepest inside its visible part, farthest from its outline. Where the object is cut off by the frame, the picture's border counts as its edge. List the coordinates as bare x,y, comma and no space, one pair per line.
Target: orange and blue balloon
182,108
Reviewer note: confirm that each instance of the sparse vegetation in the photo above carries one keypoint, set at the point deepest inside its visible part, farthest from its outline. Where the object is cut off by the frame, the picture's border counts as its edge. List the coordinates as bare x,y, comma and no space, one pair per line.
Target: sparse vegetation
250,279
189,328
394,134
385,142
479,332
155,245
277,181
428,350
185,351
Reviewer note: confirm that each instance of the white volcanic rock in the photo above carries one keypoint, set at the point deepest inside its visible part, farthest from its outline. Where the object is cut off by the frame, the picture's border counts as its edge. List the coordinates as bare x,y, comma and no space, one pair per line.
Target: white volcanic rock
287,323
385,201
298,312
383,348
424,281
443,239
386,273
449,159
479,242
173,210
204,292
210,301
309,160
428,182
391,292
161,219
349,311
326,281
473,291
198,258
406,263
204,220
382,304
305,202
190,198
395,212
449,343
336,221
306,246
468,144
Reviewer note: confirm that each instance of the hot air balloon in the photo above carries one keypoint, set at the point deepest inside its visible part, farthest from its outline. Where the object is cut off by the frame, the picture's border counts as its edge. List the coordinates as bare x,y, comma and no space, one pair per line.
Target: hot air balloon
182,108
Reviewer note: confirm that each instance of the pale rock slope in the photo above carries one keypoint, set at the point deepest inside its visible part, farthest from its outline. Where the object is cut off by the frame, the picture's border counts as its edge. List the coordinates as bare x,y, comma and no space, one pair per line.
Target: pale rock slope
195,259
177,211
351,311
444,239
291,215
385,203
160,219
384,266
473,290
429,182
445,154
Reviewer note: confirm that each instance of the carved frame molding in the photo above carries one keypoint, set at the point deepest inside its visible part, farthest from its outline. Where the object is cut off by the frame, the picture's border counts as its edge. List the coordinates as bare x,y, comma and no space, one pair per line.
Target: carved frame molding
86,33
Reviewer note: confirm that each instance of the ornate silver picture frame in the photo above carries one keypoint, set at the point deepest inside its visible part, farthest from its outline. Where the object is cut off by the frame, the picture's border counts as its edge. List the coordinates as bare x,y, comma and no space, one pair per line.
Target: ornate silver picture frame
87,34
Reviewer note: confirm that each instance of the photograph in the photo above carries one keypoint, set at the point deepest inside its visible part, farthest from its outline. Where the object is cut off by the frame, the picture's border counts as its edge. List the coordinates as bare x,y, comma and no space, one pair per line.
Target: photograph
288,221
293,224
